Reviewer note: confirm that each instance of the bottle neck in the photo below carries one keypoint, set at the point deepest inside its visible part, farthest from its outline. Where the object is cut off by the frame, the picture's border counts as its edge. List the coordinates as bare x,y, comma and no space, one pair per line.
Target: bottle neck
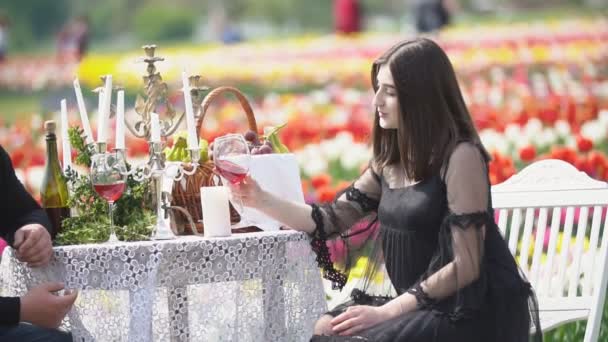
52,157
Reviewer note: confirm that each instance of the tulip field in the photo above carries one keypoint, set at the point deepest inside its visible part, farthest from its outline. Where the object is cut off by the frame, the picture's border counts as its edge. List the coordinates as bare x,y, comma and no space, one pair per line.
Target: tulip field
535,90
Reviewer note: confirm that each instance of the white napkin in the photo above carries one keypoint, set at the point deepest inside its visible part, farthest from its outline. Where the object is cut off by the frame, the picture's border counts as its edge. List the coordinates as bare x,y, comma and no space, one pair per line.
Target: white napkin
278,174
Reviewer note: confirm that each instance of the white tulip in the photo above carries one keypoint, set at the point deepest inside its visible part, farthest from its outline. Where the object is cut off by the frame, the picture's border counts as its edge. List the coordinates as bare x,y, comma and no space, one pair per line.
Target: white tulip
602,117
314,166
351,158
570,142
34,177
545,138
513,132
533,126
320,97
338,117
344,138
562,128
593,130
329,149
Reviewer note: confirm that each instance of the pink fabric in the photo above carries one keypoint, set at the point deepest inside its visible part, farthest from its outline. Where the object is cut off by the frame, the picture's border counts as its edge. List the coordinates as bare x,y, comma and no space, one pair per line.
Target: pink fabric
2,246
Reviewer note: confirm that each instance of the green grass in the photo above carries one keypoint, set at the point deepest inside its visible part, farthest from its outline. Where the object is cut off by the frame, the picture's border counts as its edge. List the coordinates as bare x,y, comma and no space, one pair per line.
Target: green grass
16,104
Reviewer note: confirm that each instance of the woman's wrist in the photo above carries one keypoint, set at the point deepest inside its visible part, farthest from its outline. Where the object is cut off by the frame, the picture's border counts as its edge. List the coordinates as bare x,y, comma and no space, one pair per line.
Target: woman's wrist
399,306
391,309
264,201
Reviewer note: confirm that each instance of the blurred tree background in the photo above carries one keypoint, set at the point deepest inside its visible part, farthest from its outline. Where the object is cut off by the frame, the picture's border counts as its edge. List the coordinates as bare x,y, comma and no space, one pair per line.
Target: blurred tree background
123,23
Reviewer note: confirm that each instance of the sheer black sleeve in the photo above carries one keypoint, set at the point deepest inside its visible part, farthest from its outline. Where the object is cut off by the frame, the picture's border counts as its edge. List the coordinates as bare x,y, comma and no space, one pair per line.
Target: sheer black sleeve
358,201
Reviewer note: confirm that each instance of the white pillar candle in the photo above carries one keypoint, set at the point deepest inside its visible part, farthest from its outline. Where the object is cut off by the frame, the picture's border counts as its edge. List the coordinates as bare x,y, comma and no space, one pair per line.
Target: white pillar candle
120,119
65,140
154,128
191,125
84,117
216,211
104,114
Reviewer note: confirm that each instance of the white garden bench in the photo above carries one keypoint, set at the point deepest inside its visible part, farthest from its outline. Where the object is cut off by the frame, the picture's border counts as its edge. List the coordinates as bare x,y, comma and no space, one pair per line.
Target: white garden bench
568,274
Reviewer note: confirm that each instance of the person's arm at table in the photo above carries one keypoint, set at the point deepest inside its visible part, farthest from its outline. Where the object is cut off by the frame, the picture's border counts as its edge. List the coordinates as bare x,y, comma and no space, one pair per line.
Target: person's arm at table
23,224
40,306
293,214
348,207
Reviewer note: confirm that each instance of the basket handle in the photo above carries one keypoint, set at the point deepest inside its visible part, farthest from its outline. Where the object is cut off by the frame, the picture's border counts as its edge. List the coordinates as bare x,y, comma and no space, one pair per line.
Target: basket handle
216,93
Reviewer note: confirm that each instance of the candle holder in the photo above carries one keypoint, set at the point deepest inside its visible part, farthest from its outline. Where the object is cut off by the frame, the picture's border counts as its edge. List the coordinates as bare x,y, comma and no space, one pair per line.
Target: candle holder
101,147
156,93
156,168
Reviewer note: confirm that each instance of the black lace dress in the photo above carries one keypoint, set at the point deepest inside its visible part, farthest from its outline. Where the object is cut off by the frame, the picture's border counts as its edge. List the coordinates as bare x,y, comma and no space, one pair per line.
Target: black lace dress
411,233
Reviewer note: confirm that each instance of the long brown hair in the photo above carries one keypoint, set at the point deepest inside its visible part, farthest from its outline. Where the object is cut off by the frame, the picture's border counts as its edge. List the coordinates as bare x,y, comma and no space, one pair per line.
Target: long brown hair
433,118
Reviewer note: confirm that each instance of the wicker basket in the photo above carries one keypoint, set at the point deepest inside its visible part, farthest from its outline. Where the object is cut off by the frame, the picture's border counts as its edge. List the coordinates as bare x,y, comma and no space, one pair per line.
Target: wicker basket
189,197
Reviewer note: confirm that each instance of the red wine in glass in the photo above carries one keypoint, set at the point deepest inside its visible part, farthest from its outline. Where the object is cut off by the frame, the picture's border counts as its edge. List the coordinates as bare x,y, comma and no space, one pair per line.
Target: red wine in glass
110,192
233,172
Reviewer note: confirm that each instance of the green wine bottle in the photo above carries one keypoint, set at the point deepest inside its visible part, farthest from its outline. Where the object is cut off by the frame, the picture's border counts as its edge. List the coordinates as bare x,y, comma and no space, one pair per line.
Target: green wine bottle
54,191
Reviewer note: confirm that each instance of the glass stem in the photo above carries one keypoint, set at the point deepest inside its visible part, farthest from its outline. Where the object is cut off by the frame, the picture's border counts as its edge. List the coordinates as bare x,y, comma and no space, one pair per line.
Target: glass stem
110,210
237,201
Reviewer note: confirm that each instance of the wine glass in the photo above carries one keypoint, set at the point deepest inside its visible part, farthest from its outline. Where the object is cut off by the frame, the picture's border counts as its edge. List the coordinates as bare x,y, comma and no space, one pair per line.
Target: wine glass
108,176
231,158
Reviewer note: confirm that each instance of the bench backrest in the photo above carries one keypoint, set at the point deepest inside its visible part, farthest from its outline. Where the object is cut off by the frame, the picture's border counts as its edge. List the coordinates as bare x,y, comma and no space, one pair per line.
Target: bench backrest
554,220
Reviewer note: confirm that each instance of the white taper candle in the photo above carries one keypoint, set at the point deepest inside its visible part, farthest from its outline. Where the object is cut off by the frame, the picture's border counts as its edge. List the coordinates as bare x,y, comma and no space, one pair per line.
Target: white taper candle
190,123
104,115
84,117
120,119
65,140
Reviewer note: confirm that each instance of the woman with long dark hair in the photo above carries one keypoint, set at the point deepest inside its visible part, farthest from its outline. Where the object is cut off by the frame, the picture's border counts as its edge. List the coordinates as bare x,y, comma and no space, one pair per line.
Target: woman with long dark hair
430,230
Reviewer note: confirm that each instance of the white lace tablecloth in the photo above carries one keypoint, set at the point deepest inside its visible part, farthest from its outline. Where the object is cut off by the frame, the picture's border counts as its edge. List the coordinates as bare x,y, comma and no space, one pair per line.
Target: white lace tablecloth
248,287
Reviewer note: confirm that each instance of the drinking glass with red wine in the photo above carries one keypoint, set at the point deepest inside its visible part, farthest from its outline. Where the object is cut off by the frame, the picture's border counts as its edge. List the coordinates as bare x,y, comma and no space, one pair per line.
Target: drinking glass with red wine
231,158
109,177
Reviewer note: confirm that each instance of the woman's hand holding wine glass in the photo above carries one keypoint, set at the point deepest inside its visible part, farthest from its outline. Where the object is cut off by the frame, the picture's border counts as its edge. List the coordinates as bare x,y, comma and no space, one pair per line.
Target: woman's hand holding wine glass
231,158
250,192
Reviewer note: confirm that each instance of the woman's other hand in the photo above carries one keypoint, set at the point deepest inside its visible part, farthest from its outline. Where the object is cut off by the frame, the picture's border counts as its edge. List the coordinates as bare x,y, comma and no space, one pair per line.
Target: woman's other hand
358,318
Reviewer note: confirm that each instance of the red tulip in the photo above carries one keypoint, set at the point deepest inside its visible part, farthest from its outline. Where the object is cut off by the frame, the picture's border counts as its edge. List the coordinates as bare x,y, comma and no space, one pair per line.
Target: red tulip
527,153
320,180
326,194
596,159
583,144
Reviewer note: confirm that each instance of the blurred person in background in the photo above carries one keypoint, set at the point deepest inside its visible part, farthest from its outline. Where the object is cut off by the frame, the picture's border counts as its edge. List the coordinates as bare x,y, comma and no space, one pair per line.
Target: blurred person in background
73,40
347,16
4,23
221,27
81,35
36,315
433,15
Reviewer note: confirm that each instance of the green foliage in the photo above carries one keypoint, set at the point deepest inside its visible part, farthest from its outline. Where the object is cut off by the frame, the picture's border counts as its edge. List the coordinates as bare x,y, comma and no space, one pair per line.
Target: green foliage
309,15
337,171
34,20
158,23
84,151
133,220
